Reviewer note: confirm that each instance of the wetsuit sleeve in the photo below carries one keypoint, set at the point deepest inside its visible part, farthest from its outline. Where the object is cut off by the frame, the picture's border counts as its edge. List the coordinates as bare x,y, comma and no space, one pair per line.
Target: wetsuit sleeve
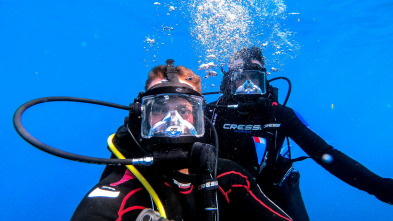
341,166
119,196
240,196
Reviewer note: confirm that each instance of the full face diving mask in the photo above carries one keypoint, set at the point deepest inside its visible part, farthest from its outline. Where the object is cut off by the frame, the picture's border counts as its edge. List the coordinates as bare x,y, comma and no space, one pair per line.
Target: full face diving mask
248,82
172,115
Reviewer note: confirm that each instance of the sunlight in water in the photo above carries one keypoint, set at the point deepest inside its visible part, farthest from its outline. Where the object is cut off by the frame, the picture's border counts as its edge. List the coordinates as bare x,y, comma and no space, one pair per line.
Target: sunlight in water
221,27
218,28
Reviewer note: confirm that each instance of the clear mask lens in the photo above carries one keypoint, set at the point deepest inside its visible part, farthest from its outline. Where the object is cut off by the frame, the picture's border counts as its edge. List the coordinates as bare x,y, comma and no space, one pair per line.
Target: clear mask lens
248,88
248,82
172,115
173,125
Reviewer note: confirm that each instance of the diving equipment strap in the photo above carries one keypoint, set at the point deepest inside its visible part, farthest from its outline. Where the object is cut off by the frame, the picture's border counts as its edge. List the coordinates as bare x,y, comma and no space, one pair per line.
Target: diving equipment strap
139,176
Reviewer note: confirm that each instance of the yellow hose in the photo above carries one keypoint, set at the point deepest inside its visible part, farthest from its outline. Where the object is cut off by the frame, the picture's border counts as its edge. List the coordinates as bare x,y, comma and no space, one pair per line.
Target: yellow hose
139,176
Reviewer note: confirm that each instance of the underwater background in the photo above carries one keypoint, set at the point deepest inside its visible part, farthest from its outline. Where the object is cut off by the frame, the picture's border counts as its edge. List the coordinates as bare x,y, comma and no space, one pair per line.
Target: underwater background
338,55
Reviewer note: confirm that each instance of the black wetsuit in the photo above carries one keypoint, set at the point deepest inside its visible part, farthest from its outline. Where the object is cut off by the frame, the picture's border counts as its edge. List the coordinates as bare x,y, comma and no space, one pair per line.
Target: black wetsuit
245,132
120,196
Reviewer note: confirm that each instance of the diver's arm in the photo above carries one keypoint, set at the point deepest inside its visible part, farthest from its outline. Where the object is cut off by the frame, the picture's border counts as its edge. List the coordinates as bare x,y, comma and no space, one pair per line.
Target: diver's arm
336,162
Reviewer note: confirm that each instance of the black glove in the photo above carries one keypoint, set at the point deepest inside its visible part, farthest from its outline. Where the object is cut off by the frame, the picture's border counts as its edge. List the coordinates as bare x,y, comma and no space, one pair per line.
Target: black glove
385,192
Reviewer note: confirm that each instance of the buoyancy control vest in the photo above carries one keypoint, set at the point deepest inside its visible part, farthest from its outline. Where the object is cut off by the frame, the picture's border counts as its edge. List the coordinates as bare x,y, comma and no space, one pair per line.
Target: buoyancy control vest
251,136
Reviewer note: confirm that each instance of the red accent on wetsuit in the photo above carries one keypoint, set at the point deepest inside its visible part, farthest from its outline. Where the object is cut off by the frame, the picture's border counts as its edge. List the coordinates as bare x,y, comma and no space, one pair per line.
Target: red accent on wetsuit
267,207
224,193
247,187
127,176
190,188
122,211
188,191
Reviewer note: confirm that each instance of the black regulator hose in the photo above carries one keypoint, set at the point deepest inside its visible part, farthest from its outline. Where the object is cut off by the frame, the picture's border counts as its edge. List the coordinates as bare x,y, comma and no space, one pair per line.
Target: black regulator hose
289,87
63,154
17,121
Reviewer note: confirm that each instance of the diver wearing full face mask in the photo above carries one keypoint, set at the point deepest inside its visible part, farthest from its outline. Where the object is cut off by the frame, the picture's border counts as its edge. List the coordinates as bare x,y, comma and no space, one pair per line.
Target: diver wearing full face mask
168,118
252,127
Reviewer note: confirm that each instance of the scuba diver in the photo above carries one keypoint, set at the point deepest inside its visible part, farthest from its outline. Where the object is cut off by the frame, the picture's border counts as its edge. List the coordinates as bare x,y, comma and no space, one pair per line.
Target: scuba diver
252,127
168,121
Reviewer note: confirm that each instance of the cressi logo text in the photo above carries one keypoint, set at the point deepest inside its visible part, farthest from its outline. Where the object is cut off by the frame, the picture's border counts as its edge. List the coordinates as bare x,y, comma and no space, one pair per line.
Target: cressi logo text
242,127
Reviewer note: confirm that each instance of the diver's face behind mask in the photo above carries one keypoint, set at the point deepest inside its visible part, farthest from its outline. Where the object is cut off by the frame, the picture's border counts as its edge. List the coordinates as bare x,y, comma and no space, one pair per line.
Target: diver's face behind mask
248,82
172,115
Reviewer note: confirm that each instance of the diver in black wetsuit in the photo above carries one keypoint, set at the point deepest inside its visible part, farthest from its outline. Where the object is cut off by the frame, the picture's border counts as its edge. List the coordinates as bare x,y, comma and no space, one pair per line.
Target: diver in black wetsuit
167,119
252,127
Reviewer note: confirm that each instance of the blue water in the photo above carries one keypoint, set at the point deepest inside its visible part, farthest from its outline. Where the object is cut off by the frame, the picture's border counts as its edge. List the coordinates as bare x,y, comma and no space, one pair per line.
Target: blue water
341,80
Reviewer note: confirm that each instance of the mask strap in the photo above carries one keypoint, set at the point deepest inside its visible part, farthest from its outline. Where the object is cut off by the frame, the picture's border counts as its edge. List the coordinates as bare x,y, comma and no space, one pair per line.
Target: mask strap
171,73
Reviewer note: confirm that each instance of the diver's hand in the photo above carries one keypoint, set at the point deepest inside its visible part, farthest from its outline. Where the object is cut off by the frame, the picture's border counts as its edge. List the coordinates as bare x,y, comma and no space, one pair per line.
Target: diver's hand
385,191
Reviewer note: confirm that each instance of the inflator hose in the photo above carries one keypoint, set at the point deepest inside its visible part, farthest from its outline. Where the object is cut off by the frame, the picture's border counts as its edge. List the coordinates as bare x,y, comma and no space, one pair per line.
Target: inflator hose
139,176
